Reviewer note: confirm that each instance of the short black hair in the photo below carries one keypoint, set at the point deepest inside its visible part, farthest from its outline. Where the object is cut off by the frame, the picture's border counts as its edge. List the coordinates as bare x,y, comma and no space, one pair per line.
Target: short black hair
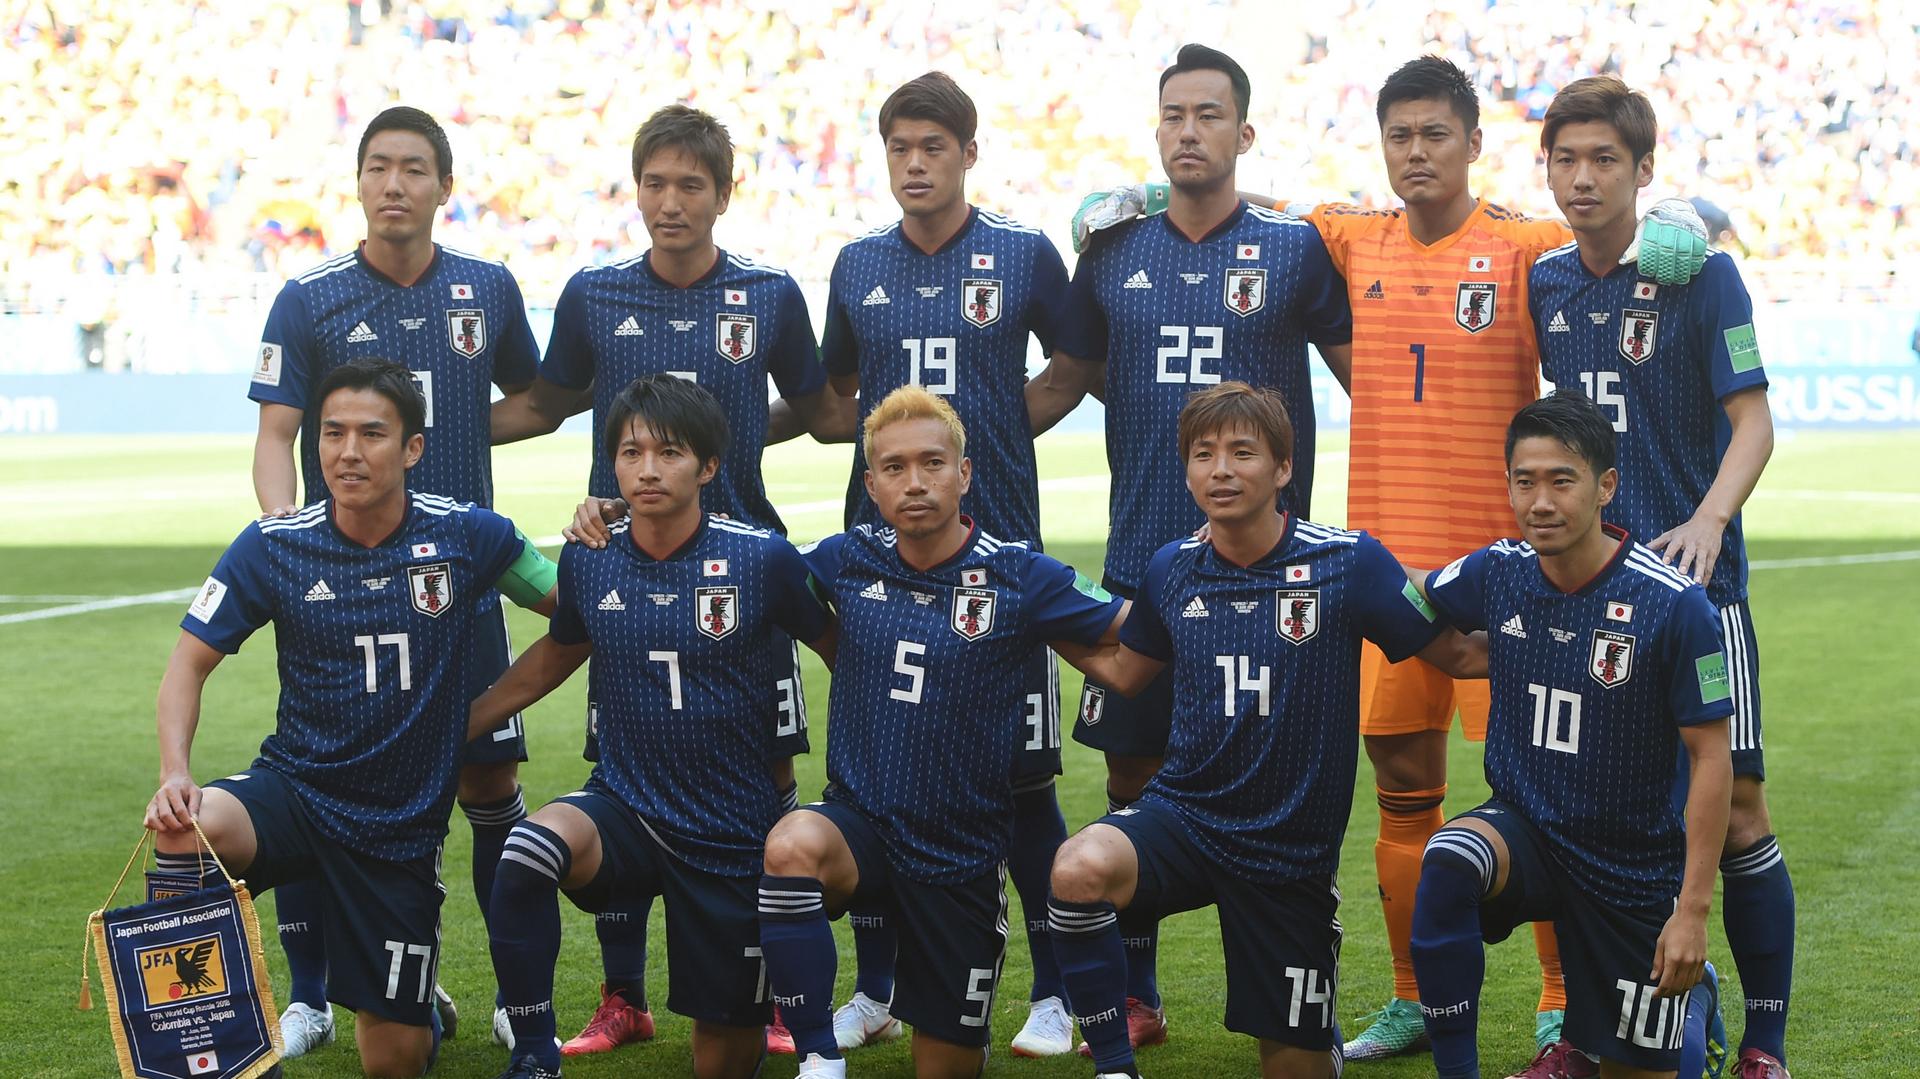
1202,58
674,410
935,98
383,376
1570,418
685,128
1431,78
407,118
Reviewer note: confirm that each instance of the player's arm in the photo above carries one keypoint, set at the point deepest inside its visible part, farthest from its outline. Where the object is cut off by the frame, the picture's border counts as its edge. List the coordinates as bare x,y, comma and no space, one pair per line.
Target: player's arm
538,411
1460,655
1111,662
1060,388
1694,547
1104,209
531,580
177,716
538,671
1680,956
275,483
824,414
1339,360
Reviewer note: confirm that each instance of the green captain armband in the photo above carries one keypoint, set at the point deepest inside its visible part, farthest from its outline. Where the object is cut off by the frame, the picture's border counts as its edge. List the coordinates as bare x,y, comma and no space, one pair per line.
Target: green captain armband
531,576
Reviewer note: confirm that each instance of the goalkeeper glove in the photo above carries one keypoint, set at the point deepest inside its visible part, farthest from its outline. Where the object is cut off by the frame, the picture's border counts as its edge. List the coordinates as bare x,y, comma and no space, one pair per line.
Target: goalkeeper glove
1671,243
1105,209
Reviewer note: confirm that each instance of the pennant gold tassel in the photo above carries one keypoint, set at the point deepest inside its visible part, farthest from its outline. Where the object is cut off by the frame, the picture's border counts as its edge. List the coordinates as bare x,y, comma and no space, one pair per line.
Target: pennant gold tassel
85,1003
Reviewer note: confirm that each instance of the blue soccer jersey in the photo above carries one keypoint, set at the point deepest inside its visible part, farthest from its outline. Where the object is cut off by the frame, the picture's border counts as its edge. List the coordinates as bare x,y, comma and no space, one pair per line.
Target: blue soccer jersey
955,321
460,328
683,650
1590,689
925,714
374,646
1169,316
1658,359
1266,682
727,331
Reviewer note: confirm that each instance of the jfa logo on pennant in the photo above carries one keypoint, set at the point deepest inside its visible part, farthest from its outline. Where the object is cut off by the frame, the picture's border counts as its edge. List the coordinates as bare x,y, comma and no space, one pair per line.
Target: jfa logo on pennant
173,972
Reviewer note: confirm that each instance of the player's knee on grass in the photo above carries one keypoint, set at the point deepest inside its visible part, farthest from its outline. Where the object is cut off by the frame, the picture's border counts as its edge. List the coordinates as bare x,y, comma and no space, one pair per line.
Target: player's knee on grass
937,1058
1092,866
724,1052
1748,821
1278,1061
390,1050
488,781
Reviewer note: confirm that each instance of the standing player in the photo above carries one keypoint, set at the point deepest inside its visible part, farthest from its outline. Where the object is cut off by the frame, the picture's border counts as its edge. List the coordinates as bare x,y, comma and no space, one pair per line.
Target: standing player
1605,663
458,323
946,299
1442,358
686,308
935,615
1212,290
379,599
1678,371
1249,810
680,610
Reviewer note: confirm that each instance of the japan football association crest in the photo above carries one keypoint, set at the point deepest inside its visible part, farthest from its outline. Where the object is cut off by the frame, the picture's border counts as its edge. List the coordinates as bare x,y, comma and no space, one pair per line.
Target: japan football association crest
1297,614
1246,290
431,587
467,331
1473,305
1611,661
1638,331
1093,704
980,301
734,336
972,612
716,610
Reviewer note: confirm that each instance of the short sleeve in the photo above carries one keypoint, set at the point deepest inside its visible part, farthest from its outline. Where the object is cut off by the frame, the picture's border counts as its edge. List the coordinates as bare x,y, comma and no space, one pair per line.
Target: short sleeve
1144,630
1393,614
823,557
1698,686
1458,590
1322,306
569,362
1047,299
516,360
237,597
795,362
794,606
1333,221
1725,318
1083,324
565,625
1062,605
283,365
495,542
839,345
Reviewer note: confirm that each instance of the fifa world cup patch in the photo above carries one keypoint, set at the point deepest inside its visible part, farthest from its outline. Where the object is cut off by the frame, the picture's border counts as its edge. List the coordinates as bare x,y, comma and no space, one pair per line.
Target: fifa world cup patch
735,336
972,615
267,371
1297,614
1246,290
1611,660
467,331
716,610
1474,306
980,301
1711,672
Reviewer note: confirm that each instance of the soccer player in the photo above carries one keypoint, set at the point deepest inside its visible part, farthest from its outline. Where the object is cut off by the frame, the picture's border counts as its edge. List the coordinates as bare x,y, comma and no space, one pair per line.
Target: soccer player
1677,370
1605,663
935,614
1248,812
1442,358
457,323
687,308
946,299
1213,290
680,611
379,601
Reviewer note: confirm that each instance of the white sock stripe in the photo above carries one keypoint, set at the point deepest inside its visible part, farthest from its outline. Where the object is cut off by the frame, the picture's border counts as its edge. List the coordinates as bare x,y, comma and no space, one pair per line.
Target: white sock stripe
1469,845
512,813
1753,862
545,870
540,852
528,837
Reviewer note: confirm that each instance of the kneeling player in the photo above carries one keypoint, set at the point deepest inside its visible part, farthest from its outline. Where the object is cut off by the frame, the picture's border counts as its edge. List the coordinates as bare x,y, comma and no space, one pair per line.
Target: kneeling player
937,620
1605,662
1262,623
373,594
679,612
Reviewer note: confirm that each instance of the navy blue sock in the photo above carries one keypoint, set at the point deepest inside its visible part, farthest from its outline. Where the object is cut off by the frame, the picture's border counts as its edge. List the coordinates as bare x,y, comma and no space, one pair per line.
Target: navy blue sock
797,944
1086,942
491,821
1757,895
297,905
526,936
1448,958
622,932
1703,1007
1038,831
1140,934
875,946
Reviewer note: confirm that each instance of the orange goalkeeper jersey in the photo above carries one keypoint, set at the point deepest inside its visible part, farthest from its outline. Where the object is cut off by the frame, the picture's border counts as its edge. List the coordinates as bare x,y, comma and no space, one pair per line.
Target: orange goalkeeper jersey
1443,355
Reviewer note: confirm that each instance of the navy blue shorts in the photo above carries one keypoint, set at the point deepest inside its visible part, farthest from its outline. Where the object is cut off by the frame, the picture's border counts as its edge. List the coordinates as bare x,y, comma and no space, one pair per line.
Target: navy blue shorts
1282,940
787,709
381,919
714,970
1135,726
492,655
1743,677
952,937
1036,757
1603,947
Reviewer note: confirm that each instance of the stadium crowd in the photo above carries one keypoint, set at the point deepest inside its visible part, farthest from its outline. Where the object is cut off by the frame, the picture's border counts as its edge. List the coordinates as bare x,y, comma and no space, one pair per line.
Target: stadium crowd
184,137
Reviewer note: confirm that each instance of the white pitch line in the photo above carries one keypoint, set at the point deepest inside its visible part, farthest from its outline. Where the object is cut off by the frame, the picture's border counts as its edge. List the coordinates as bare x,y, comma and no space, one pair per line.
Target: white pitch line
1815,561
105,603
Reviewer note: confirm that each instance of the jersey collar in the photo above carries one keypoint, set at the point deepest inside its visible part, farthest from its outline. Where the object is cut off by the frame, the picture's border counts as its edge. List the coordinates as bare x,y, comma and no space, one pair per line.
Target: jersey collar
1279,548
1473,219
360,256
973,214
406,524
641,554
965,549
1619,555
713,272
1239,211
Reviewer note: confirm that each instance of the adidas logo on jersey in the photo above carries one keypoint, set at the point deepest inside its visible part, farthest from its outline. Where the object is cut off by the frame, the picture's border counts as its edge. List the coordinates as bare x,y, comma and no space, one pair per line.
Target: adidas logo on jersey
319,591
1138,280
611,601
1195,609
629,328
1512,628
362,332
875,298
1375,292
1559,323
876,590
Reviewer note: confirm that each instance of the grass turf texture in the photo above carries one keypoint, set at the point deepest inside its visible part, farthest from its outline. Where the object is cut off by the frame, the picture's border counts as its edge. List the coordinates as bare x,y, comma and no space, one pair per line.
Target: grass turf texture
116,516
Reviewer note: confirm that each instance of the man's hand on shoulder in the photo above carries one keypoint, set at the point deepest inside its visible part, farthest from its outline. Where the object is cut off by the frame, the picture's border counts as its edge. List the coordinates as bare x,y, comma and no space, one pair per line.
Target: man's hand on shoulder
1105,209
1671,243
590,521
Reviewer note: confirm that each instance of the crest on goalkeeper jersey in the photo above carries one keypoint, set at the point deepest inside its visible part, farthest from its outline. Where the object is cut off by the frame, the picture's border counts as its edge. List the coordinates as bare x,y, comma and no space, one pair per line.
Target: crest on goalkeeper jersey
1474,305
980,300
1246,290
734,336
1638,331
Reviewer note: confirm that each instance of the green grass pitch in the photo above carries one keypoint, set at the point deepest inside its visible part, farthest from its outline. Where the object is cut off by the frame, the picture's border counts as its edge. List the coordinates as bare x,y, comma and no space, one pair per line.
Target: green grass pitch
105,517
